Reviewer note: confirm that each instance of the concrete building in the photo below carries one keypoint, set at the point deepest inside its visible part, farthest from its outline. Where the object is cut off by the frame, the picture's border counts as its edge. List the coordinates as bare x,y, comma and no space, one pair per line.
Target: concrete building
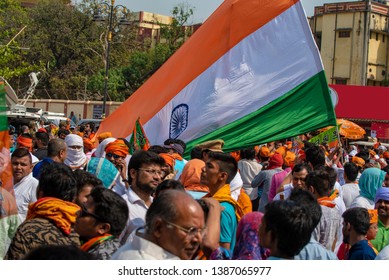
149,26
353,41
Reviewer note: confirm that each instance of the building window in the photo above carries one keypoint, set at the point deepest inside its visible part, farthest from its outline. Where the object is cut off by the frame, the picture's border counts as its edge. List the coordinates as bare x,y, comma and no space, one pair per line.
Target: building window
383,38
344,34
318,40
376,36
340,81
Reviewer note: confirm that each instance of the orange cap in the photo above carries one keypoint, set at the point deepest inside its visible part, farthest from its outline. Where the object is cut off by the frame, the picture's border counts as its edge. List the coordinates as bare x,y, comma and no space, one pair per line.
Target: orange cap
264,151
373,216
358,161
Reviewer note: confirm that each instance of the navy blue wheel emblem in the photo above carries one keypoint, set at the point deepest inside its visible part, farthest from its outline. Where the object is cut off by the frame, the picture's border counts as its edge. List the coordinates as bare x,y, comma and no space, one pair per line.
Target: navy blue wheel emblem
178,120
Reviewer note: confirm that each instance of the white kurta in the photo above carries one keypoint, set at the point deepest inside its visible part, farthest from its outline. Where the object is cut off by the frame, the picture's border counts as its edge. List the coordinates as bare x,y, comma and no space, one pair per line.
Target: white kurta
25,193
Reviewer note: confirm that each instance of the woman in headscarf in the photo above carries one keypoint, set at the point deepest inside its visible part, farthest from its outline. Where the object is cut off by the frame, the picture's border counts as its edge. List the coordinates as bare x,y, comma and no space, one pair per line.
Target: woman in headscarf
247,241
371,179
76,158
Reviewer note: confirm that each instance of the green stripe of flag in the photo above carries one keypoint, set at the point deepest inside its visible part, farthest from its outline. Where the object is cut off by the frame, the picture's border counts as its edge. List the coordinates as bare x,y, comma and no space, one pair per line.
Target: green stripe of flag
305,108
3,108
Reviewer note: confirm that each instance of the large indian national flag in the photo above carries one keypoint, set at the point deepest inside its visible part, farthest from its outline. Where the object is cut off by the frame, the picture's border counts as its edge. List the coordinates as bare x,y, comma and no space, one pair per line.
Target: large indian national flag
251,74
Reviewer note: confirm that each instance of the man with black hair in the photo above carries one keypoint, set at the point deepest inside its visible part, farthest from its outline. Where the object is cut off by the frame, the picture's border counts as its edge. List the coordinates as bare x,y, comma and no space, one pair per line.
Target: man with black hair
313,250
86,181
100,221
51,218
356,223
89,130
315,156
41,142
351,188
299,173
285,229
327,231
144,175
62,133
218,172
24,184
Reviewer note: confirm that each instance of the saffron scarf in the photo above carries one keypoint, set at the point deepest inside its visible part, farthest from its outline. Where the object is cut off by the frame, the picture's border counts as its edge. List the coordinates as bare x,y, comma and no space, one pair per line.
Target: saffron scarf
62,213
224,195
91,243
328,200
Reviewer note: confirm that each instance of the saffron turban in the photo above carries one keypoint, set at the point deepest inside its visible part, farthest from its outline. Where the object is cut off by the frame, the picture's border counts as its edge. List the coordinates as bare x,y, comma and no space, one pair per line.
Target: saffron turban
264,152
358,161
385,155
25,142
117,147
289,159
103,136
169,159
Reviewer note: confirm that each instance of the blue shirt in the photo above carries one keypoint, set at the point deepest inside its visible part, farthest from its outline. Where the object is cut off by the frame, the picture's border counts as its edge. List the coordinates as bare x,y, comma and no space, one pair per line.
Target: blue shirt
315,251
228,225
36,171
361,251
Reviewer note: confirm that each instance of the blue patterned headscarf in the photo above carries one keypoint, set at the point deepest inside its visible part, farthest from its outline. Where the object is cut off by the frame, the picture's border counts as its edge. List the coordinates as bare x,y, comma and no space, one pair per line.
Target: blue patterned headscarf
371,179
104,170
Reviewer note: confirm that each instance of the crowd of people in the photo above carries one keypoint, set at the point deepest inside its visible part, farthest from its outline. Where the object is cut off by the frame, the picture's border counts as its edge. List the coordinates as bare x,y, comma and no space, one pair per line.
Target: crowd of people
72,194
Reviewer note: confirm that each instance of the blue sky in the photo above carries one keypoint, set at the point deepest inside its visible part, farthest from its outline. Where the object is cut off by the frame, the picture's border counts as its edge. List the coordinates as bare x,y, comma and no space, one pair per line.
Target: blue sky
203,8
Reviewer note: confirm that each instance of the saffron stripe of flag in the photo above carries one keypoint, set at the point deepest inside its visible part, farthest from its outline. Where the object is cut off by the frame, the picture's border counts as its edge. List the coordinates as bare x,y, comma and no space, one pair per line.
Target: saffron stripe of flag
251,74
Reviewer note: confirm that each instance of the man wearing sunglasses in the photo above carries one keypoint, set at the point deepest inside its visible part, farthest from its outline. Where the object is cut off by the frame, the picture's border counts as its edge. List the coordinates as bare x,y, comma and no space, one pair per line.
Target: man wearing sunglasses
174,229
145,173
100,221
116,153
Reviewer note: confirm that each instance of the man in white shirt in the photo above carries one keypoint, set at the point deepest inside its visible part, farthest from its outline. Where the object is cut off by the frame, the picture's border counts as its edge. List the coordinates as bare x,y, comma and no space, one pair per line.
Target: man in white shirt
351,188
299,173
144,175
24,183
174,230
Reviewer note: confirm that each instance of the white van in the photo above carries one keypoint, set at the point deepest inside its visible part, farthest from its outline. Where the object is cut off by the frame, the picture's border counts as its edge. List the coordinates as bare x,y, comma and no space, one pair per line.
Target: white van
56,118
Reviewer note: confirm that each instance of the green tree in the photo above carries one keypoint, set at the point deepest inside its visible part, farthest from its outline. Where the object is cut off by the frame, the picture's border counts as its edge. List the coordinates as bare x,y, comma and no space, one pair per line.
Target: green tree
176,33
143,63
13,52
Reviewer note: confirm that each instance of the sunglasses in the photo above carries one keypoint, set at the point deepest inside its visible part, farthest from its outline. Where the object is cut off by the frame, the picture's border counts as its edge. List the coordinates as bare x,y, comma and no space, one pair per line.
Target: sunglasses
85,213
110,155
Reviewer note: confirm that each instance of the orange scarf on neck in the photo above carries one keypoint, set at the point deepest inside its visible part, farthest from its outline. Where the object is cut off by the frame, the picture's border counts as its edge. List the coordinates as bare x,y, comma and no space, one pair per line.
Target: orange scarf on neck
62,213
224,195
328,200
95,241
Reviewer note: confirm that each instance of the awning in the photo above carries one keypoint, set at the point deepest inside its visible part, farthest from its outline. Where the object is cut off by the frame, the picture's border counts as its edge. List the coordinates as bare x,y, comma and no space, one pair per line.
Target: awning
363,103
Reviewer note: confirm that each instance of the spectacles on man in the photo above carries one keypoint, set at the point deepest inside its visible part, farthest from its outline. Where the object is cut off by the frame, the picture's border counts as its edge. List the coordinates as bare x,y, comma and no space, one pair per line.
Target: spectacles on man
160,173
191,232
85,213
110,155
